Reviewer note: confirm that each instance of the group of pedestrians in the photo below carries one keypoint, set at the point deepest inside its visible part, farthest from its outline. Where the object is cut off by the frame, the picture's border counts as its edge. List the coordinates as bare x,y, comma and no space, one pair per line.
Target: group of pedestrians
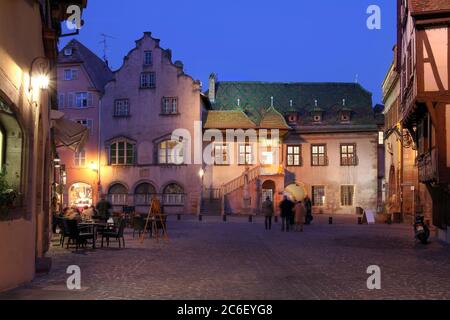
293,214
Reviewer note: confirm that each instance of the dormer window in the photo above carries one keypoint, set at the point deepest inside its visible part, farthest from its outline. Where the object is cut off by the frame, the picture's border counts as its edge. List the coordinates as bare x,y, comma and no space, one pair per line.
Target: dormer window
345,116
317,117
292,117
68,52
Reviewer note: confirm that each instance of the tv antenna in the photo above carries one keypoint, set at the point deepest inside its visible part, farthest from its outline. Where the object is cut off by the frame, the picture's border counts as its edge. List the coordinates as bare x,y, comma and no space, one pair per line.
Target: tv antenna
104,42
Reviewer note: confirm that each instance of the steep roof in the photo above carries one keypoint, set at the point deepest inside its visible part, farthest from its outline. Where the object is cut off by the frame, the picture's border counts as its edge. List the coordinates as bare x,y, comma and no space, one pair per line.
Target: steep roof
424,6
272,119
228,119
301,98
96,68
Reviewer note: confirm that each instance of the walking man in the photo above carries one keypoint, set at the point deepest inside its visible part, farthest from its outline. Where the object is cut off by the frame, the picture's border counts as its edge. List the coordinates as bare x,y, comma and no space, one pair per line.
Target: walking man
103,207
267,210
286,207
300,215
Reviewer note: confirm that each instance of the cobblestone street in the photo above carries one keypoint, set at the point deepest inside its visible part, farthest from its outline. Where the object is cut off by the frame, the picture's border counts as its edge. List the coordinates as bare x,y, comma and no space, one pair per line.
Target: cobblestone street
240,260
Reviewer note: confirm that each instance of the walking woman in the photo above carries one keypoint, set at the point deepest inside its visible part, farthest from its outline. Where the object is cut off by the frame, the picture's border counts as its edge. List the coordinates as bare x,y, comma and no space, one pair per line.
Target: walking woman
300,215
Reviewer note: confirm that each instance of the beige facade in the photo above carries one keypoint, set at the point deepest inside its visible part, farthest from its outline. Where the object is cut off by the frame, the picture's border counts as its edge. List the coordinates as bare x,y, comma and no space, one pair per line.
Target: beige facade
27,51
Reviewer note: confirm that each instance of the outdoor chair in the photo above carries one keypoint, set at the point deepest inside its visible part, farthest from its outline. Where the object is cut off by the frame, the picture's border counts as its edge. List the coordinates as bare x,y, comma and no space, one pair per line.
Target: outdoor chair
77,235
64,233
115,234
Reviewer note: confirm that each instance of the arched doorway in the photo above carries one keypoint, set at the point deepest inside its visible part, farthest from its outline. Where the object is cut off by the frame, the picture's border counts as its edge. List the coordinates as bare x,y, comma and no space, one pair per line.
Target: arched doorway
118,194
268,190
143,194
80,195
173,195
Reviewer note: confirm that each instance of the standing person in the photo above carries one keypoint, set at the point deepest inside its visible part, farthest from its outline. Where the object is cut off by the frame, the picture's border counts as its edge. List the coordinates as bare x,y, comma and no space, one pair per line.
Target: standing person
103,207
300,215
286,207
308,207
267,209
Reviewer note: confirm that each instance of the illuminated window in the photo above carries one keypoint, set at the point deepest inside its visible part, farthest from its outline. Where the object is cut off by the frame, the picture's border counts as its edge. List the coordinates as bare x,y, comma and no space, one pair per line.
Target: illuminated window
221,154
245,154
171,152
83,99
318,196
121,153
294,155
173,195
319,155
347,193
381,137
348,155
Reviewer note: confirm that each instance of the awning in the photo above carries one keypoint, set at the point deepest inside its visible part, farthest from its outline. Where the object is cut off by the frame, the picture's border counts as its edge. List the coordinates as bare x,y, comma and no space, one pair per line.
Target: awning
67,133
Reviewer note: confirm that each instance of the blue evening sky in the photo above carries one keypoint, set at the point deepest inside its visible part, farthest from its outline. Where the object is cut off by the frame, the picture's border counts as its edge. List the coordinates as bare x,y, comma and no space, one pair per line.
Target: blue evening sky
253,40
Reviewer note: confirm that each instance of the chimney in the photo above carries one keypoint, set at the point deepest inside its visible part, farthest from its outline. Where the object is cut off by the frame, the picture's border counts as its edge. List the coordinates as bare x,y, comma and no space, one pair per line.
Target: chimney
212,87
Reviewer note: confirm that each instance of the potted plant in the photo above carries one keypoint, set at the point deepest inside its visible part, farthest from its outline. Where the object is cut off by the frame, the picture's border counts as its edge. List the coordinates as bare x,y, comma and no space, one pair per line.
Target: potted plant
7,196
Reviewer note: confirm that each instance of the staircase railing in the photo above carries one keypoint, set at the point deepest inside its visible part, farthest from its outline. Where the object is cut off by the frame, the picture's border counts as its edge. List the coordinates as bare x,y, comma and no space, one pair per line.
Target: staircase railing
238,182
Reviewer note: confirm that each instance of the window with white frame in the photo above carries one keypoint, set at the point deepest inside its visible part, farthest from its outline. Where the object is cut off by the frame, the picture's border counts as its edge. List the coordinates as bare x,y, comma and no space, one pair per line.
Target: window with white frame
380,137
347,193
318,196
147,80
294,155
148,58
121,108
169,105
245,156
83,99
121,152
221,154
80,158
170,152
318,155
70,74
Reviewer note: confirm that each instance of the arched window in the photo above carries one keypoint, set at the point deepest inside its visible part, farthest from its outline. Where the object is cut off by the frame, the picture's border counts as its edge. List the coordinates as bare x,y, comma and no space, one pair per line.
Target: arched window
143,194
173,194
118,194
122,152
170,152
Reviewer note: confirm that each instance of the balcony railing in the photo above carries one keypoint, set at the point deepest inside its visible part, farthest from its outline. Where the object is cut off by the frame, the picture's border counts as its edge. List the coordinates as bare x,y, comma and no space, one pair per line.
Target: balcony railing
427,165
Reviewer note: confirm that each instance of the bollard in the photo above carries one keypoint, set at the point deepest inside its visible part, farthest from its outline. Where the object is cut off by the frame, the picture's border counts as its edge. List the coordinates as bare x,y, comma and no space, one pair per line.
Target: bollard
250,218
224,217
200,217
276,219
360,220
178,217
330,220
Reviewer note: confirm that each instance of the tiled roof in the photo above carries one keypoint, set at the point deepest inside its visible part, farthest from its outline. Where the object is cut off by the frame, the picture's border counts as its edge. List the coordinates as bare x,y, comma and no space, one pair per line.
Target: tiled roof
228,119
272,119
254,97
98,71
423,6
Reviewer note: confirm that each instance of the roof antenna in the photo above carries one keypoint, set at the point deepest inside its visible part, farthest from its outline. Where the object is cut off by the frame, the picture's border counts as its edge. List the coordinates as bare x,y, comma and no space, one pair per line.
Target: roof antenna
271,101
343,102
290,103
105,45
356,78
315,102
239,102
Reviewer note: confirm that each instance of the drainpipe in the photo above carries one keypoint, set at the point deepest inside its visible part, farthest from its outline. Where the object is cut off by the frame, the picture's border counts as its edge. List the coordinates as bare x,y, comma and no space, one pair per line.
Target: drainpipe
99,149
401,172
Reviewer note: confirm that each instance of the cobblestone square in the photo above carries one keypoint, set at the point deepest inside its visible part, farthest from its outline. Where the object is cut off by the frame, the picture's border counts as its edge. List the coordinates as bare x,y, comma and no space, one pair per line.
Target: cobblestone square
240,260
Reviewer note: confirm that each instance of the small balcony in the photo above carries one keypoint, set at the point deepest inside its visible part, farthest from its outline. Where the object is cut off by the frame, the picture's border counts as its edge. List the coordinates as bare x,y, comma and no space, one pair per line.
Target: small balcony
427,165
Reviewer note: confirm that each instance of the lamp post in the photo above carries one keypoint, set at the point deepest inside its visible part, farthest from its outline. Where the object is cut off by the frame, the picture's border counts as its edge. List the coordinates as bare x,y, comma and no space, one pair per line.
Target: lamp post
201,174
